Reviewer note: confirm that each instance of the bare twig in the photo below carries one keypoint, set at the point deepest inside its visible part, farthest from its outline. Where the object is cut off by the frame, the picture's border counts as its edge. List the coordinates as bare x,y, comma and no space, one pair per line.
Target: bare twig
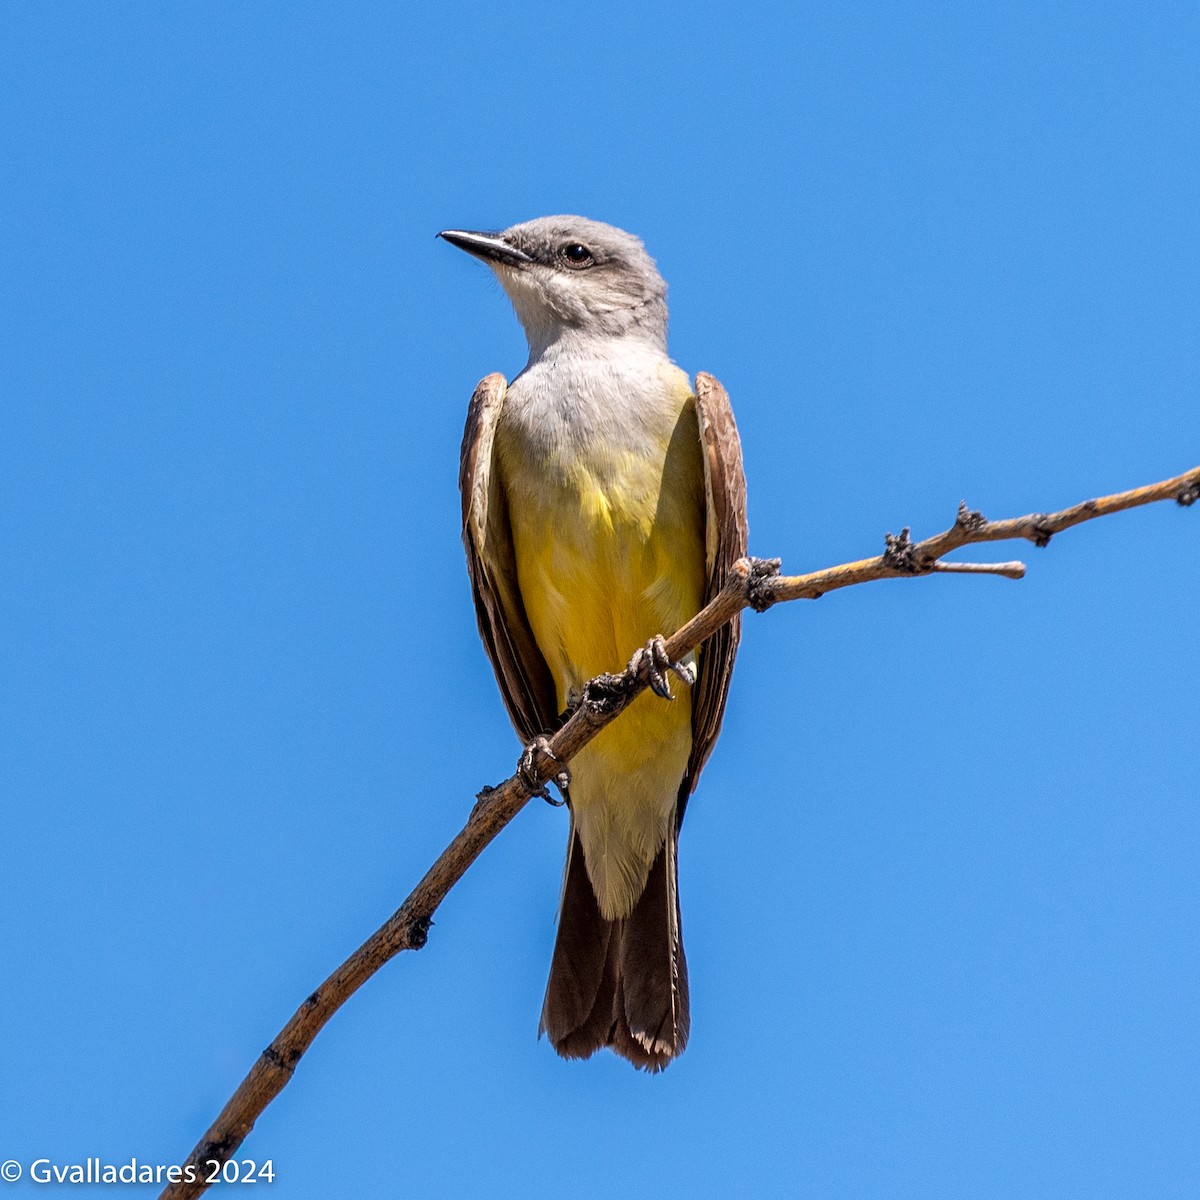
753,583
1007,570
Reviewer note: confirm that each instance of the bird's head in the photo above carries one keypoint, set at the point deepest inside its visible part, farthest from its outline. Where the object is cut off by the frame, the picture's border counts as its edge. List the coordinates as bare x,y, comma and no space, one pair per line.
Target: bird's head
570,275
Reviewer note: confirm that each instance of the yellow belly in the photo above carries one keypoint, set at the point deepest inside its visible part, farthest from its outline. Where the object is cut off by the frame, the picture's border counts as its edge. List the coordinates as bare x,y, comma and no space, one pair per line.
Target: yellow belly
610,551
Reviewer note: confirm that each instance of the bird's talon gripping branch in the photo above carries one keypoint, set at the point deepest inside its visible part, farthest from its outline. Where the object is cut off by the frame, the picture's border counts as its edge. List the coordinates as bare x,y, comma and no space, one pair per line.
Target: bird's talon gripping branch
686,672
527,769
653,661
1188,495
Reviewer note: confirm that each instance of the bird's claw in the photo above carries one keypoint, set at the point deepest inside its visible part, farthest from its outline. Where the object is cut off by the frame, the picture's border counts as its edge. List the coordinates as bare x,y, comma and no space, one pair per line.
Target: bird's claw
653,659
527,769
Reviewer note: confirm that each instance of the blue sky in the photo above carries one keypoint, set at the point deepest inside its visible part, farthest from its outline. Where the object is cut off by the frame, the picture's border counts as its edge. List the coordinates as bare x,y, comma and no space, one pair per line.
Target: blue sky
939,882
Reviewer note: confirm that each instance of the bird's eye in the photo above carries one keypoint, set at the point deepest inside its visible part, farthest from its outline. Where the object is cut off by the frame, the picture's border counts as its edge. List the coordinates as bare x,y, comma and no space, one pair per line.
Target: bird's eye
577,255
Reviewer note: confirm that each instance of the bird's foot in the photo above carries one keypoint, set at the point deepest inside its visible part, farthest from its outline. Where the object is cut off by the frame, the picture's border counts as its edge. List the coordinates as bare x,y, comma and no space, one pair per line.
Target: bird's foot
653,661
527,769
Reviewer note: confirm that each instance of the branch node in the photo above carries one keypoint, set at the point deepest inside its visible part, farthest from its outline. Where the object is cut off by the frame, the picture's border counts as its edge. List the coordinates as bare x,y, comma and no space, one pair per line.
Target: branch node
220,1150
604,693
417,933
1040,533
481,798
759,595
1188,494
282,1062
898,554
969,520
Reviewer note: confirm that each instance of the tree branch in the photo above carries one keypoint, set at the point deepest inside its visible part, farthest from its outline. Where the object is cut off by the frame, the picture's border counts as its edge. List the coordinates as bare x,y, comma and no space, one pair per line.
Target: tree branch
753,583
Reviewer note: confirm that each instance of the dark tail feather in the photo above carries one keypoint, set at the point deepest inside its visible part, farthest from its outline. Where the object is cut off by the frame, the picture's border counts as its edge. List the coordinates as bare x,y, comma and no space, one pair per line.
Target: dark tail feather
583,974
653,1017
619,983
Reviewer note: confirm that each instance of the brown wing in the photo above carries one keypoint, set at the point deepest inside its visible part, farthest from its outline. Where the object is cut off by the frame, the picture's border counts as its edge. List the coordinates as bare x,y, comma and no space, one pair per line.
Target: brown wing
726,536
521,671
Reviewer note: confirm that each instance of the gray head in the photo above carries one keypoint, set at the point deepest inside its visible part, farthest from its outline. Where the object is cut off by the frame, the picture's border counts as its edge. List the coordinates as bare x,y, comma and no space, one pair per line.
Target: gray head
568,276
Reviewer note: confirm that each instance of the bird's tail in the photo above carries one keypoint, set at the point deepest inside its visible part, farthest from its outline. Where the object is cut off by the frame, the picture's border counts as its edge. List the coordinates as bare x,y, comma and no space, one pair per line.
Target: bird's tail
619,983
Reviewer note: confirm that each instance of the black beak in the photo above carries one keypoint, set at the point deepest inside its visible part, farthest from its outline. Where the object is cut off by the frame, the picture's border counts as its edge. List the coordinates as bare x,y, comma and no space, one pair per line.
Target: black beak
488,246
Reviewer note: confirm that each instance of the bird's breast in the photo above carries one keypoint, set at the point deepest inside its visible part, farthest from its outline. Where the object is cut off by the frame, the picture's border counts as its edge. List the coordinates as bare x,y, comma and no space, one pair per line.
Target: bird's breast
603,481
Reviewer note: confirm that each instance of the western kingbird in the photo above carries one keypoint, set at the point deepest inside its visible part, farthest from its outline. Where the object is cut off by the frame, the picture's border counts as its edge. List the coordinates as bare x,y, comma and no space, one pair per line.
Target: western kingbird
603,504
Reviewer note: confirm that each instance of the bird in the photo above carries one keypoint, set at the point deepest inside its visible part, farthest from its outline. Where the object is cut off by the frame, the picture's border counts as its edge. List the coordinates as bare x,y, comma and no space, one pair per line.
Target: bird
604,503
